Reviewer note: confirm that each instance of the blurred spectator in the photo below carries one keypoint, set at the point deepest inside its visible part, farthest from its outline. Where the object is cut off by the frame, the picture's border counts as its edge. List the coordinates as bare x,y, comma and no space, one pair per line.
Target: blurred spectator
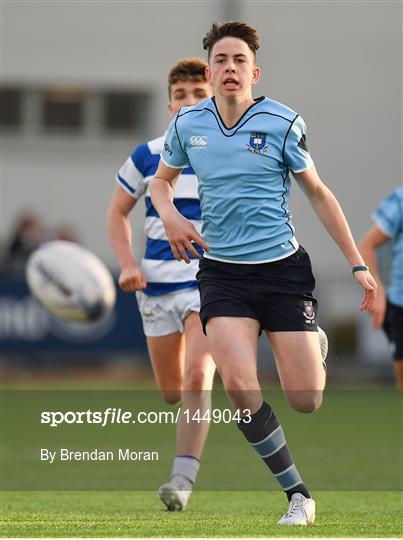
28,234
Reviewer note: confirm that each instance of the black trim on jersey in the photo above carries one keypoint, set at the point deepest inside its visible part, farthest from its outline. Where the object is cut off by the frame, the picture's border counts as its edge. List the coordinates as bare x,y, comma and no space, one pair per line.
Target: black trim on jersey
286,175
256,101
239,127
177,134
302,143
247,120
285,138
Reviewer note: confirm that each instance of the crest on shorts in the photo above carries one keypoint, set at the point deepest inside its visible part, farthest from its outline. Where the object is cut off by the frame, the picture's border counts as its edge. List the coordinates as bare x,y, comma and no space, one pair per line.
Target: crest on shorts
257,143
309,312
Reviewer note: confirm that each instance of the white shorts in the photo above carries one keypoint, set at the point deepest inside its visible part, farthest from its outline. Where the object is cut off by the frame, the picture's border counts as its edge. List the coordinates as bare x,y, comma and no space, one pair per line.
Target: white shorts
165,314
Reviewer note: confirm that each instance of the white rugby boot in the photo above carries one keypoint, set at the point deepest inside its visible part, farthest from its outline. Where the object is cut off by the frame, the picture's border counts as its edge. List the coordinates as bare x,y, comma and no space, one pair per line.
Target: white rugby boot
324,345
301,511
175,494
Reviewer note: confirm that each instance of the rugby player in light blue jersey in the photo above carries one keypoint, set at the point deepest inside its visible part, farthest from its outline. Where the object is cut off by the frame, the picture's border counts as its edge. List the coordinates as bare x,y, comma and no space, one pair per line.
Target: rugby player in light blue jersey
254,276
387,311
167,293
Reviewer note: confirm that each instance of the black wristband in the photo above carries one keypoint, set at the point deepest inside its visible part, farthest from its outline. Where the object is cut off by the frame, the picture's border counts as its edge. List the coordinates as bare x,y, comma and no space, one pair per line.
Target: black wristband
360,268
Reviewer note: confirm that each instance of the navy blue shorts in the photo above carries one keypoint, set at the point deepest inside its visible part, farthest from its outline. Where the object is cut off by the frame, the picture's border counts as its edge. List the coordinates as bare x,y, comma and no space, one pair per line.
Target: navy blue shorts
278,294
393,327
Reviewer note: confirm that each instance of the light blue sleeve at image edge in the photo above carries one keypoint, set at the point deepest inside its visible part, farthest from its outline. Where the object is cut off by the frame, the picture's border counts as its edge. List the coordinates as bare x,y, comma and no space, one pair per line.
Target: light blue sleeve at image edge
172,153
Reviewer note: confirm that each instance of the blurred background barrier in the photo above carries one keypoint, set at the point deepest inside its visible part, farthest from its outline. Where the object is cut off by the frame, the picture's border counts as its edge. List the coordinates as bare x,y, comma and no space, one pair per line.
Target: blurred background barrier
29,332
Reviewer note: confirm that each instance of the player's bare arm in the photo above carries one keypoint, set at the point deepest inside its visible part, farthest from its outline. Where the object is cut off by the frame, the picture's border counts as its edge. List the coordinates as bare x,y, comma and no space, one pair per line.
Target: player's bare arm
131,277
179,230
368,246
331,215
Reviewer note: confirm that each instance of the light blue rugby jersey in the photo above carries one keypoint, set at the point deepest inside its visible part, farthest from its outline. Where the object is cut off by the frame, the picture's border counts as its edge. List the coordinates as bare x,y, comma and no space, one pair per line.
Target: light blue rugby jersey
389,218
243,172
163,272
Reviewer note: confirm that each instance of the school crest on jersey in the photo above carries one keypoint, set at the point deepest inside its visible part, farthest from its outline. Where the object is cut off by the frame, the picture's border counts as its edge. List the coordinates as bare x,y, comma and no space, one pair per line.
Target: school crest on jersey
309,312
257,143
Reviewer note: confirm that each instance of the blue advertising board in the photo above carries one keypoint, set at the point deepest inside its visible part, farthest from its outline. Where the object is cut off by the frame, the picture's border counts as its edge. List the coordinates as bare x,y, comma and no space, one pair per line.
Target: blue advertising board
27,327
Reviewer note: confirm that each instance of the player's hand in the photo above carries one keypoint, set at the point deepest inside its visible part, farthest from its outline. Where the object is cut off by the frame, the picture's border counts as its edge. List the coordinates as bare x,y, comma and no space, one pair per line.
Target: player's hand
181,234
369,285
132,279
379,308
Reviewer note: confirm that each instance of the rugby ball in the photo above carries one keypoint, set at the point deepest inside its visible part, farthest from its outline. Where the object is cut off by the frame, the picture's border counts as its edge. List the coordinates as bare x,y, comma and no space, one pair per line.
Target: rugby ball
70,281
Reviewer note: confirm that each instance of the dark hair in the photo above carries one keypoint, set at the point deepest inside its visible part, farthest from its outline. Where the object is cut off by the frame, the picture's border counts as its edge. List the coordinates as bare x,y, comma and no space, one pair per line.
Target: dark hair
240,30
188,69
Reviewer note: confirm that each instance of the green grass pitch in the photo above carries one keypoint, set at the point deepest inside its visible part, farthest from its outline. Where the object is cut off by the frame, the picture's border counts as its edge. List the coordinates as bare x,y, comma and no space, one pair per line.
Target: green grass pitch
210,514
349,453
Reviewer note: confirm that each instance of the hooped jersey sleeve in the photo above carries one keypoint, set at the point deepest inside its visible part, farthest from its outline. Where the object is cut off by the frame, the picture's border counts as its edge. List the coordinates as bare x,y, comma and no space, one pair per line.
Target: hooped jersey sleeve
131,174
173,153
388,215
296,153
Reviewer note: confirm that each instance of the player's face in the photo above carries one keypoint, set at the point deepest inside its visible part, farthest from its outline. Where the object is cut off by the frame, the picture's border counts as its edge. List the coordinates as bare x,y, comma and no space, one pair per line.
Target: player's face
232,70
187,93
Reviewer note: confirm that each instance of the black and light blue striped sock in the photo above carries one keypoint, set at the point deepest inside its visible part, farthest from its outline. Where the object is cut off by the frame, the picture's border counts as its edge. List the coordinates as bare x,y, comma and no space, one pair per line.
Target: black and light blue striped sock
266,436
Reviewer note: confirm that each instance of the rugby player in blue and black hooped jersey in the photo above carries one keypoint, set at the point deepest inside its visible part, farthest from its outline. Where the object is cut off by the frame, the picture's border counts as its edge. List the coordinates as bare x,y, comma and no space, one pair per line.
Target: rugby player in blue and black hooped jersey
254,276
166,289
387,311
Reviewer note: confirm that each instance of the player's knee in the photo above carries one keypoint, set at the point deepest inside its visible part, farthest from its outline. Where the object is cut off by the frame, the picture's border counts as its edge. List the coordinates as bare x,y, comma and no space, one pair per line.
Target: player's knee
305,402
195,378
172,397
